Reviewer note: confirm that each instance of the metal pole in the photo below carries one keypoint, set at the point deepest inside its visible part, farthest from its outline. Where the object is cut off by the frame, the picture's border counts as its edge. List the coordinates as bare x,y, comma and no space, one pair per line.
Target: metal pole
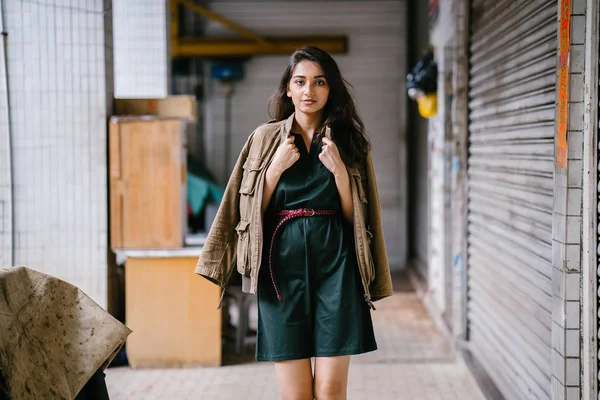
589,257
227,139
9,141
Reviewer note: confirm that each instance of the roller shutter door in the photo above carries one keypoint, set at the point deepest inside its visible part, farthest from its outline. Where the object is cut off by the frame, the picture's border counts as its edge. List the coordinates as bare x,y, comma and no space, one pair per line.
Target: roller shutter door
512,92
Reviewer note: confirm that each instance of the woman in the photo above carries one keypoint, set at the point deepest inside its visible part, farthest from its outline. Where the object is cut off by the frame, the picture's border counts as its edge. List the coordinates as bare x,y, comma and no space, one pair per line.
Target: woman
308,203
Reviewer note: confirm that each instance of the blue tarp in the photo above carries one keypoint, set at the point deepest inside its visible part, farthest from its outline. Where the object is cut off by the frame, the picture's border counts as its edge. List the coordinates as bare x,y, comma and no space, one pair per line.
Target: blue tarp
200,191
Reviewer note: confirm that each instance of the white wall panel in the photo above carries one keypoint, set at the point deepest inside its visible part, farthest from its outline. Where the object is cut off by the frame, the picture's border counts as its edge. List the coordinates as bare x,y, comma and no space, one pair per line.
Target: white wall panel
58,102
418,148
439,275
140,48
436,274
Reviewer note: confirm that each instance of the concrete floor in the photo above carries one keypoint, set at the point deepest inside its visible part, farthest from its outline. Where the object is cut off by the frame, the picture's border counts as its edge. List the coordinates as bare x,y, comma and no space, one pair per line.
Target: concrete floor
414,362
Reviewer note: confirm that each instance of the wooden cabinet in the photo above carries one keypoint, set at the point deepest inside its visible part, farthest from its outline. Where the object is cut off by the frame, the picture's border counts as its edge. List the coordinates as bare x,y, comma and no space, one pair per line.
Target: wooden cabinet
147,159
172,311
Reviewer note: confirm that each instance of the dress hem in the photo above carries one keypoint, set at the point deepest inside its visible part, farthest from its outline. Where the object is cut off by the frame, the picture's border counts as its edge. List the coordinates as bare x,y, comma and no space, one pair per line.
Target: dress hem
292,357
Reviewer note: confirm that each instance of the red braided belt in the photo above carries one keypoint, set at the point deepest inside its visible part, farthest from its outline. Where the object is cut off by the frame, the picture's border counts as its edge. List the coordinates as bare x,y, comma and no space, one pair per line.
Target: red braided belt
288,215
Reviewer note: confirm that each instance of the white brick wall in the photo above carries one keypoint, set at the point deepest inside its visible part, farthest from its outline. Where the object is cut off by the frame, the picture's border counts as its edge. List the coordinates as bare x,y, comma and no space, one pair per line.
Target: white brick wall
567,230
56,76
140,48
587,255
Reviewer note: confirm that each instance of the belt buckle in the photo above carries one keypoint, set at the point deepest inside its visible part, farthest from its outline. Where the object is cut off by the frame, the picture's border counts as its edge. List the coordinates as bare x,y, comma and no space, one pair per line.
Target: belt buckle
309,212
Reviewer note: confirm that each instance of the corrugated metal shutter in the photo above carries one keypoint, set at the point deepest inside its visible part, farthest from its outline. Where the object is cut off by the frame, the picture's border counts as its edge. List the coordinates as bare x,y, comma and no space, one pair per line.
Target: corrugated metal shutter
512,90
374,65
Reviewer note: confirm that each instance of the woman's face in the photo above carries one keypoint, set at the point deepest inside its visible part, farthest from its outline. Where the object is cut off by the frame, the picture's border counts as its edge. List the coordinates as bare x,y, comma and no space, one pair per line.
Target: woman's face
308,88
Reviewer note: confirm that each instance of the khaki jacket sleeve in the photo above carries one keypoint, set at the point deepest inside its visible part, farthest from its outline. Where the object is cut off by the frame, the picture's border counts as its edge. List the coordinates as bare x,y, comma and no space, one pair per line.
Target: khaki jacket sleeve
382,284
218,256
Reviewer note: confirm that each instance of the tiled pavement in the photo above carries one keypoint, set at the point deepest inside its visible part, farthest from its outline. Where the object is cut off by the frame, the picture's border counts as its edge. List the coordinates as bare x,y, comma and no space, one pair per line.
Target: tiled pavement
414,362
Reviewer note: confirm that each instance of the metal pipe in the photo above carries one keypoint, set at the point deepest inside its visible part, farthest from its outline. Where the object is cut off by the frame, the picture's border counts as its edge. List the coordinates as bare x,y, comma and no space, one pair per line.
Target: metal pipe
221,47
173,27
9,142
589,256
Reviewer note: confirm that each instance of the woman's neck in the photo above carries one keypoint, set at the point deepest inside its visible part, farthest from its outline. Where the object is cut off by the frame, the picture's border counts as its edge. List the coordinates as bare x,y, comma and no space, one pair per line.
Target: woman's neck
307,125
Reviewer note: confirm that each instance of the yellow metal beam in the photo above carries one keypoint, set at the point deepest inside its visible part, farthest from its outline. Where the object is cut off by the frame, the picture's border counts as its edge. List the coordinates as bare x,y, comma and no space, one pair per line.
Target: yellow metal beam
174,27
250,44
222,47
244,32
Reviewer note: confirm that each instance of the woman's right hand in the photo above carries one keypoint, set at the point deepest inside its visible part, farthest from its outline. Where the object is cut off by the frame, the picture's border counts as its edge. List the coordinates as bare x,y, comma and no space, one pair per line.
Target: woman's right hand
285,156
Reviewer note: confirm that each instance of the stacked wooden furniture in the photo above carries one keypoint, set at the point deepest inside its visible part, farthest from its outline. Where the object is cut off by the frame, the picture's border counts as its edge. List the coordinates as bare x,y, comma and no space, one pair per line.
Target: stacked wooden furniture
172,312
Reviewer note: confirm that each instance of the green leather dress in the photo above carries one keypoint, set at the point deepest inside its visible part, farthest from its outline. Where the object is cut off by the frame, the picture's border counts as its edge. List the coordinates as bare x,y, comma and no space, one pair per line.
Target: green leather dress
323,313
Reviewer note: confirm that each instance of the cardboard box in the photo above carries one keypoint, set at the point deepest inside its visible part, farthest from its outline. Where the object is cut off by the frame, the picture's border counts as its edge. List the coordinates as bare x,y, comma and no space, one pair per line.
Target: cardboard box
182,106
148,170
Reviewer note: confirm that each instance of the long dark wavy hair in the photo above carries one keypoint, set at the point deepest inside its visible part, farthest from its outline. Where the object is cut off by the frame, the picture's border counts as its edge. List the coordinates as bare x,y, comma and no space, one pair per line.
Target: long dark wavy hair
347,129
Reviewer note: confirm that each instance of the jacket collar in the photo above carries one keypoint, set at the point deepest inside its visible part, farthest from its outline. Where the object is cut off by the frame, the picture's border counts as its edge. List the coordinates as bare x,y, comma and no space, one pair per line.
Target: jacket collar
287,128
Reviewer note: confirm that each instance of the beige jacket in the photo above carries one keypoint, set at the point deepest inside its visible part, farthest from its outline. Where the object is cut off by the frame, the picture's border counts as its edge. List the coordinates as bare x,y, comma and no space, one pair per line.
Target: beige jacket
237,231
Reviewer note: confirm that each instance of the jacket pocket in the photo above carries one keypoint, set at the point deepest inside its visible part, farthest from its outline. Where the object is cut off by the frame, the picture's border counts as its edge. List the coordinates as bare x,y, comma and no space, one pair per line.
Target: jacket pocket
243,247
252,168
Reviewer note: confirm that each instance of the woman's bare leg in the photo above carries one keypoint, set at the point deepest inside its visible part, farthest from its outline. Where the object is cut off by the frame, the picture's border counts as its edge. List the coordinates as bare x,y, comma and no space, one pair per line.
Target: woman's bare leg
295,379
331,378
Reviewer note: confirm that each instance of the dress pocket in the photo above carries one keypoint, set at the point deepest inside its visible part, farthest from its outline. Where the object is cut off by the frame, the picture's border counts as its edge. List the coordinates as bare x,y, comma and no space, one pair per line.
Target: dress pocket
243,247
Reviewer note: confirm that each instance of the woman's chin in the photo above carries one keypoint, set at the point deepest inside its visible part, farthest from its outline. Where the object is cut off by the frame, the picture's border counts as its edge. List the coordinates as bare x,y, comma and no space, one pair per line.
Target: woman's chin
308,110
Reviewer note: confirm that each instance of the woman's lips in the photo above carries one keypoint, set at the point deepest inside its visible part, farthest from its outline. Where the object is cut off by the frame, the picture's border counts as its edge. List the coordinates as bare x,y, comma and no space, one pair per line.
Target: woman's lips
308,102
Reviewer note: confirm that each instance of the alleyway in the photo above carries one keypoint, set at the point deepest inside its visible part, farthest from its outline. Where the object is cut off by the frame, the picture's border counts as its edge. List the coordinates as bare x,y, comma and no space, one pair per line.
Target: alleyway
413,362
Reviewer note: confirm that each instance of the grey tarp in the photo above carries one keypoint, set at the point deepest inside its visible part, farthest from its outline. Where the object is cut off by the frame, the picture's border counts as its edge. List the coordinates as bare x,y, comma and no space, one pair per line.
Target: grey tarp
53,337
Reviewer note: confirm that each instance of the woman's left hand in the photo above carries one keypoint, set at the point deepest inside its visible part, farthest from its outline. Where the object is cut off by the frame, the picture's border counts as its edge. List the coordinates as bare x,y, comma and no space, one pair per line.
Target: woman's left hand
330,157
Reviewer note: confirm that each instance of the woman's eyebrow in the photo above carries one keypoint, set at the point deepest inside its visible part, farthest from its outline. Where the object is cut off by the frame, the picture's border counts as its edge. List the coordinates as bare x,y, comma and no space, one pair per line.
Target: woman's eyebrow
302,76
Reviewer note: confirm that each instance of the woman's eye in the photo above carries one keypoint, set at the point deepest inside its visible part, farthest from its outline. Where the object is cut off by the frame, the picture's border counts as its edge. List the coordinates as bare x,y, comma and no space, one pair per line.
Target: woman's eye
299,82
320,83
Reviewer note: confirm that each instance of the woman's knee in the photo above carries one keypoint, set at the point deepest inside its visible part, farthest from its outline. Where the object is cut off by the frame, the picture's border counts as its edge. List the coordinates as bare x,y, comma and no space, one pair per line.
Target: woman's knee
330,389
294,379
296,394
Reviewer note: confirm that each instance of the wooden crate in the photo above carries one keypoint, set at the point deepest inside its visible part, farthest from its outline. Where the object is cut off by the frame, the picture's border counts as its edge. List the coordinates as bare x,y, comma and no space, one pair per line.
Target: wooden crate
180,106
147,183
172,312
